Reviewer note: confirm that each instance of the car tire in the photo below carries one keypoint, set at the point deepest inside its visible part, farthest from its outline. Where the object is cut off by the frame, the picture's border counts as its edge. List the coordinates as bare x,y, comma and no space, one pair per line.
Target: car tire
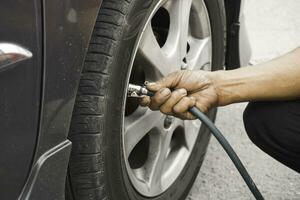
97,168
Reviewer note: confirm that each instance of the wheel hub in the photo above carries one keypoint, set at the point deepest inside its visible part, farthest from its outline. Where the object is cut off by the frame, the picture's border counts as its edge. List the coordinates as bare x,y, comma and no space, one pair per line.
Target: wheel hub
157,147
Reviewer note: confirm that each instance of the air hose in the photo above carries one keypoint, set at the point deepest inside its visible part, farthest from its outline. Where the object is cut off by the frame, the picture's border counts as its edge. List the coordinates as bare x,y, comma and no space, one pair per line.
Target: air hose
137,91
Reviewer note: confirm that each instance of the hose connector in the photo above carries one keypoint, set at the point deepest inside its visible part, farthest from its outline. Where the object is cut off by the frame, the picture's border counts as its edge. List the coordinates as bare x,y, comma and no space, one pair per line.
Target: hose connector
137,91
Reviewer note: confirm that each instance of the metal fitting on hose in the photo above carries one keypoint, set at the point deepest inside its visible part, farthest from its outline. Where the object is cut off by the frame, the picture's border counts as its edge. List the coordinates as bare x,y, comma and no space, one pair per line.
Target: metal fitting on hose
138,91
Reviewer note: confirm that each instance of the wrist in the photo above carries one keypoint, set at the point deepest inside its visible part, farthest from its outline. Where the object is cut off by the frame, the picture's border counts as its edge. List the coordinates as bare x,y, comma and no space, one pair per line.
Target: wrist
221,87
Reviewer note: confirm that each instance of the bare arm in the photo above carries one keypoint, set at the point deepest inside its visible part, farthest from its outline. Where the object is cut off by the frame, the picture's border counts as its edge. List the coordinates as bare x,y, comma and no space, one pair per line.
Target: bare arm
278,79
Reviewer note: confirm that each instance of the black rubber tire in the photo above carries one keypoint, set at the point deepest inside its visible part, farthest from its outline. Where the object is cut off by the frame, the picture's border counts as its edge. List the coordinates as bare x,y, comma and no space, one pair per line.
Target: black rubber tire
96,167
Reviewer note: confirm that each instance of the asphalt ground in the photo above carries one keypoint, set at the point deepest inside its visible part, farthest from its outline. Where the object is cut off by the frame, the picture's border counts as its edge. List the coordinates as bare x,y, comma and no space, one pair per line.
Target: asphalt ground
274,29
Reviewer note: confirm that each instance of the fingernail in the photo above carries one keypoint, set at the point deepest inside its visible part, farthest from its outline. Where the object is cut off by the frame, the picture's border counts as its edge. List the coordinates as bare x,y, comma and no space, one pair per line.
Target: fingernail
150,83
182,91
165,92
193,98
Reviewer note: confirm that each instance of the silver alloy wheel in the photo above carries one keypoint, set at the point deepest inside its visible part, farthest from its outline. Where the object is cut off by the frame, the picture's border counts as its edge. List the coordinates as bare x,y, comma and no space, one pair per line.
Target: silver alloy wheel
157,147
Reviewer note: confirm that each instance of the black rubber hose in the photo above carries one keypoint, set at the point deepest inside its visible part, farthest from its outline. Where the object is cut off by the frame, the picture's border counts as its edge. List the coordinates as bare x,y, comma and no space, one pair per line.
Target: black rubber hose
231,153
226,146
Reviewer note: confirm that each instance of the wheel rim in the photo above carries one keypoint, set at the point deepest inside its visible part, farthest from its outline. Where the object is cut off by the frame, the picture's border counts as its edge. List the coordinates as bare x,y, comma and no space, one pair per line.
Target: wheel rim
156,147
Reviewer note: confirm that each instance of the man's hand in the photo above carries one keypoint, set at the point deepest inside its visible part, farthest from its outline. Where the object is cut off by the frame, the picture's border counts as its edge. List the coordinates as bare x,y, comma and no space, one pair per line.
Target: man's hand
277,79
181,90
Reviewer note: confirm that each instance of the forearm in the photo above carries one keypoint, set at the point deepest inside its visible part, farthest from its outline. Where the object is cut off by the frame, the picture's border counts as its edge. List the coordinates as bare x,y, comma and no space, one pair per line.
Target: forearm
278,79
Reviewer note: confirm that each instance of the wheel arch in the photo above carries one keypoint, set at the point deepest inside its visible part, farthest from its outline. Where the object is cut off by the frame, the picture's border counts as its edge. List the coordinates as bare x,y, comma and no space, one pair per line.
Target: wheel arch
66,35
237,45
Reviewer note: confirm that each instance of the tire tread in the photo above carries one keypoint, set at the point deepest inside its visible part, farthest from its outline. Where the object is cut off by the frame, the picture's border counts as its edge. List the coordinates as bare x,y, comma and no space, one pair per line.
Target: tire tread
86,171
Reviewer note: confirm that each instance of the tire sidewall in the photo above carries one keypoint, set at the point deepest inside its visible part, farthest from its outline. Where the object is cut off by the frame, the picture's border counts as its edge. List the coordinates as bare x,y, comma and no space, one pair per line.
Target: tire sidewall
116,177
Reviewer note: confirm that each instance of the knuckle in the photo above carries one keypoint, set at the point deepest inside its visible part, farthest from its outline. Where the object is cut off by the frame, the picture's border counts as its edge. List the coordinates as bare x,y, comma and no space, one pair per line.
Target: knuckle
203,109
180,116
189,116
165,110
177,109
206,110
174,93
182,91
144,101
201,106
186,99
178,93
185,116
162,94
154,100
152,106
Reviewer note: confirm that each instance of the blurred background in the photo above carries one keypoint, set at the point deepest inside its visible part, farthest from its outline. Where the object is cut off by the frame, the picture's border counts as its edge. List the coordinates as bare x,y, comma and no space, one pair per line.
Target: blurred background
274,29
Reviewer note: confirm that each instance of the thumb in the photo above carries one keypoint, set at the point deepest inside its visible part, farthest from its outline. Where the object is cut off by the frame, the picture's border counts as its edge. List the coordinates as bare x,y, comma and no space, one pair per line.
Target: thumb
169,81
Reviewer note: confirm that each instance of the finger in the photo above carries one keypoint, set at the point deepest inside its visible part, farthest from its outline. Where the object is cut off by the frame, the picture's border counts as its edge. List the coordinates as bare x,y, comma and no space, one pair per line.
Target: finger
201,105
145,101
184,105
169,81
176,96
185,116
181,108
159,98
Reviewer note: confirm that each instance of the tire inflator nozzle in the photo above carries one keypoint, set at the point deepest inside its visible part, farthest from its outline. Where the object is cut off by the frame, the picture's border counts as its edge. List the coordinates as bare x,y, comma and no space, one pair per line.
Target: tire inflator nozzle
138,91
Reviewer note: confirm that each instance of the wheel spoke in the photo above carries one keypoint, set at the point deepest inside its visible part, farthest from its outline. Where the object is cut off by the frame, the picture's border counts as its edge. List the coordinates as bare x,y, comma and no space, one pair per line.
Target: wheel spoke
151,55
199,55
138,125
157,168
191,130
176,43
155,176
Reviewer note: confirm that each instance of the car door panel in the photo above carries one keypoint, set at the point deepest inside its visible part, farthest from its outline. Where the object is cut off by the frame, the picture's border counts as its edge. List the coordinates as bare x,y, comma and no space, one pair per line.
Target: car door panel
20,81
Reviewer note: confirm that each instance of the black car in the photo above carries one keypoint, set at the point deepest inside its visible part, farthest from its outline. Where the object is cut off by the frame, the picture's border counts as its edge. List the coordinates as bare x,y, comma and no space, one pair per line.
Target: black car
68,129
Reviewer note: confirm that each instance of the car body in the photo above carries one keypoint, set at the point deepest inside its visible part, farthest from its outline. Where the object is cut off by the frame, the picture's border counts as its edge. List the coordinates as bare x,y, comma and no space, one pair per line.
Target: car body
38,88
